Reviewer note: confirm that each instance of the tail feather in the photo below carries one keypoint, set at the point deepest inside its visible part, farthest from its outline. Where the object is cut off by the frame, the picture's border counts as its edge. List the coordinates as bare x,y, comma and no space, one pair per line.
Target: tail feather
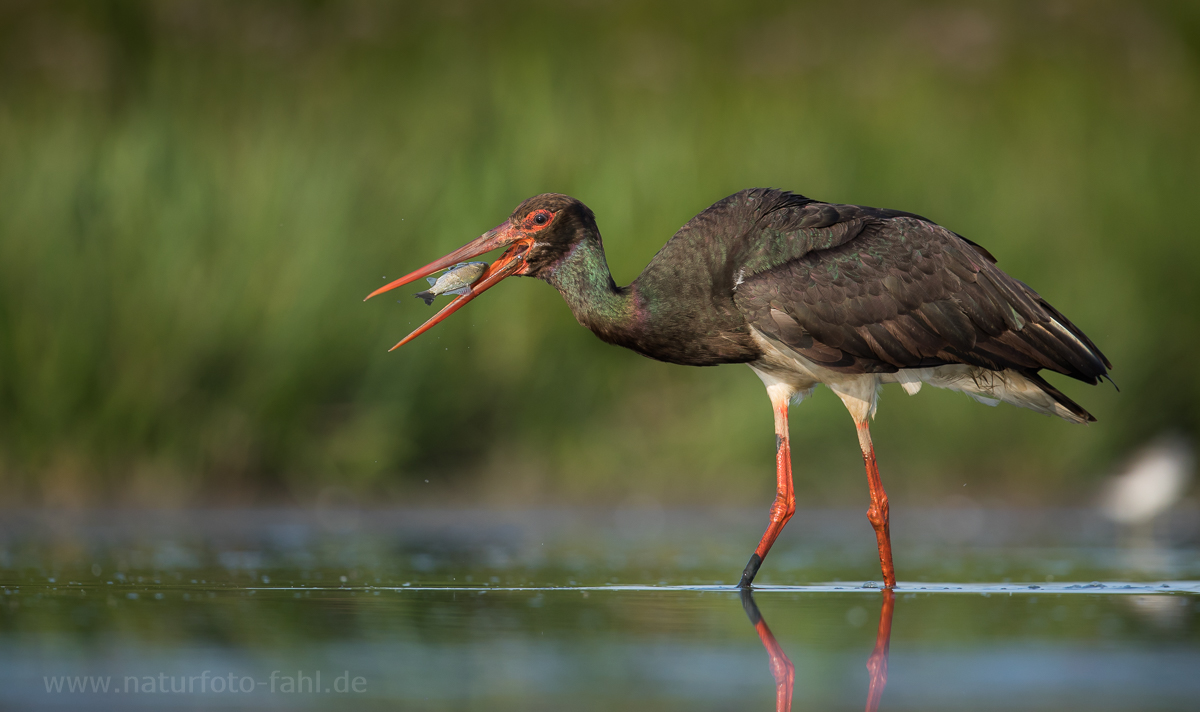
1059,397
1022,387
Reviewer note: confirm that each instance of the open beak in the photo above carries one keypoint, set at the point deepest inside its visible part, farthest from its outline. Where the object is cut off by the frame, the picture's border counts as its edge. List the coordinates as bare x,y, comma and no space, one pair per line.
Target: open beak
510,263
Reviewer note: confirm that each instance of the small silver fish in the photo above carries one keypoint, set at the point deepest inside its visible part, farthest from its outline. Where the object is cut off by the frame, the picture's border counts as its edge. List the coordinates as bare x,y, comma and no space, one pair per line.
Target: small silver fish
457,280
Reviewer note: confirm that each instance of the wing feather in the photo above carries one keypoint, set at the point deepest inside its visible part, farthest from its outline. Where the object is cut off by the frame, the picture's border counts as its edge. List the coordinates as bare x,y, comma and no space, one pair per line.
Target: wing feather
881,291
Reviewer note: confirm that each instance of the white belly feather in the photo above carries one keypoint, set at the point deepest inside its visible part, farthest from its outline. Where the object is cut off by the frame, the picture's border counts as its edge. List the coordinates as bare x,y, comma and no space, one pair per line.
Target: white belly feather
860,392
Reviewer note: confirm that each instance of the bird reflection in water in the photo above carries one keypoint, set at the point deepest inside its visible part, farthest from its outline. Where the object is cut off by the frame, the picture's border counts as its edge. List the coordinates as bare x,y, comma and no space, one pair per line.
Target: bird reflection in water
784,671
782,668
878,662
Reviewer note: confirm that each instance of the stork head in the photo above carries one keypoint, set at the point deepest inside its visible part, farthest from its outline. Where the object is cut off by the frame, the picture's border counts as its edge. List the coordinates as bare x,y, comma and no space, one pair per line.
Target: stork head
539,234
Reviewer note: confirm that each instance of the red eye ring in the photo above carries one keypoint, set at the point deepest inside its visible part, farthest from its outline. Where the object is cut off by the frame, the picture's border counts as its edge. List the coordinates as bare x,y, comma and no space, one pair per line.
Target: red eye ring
539,219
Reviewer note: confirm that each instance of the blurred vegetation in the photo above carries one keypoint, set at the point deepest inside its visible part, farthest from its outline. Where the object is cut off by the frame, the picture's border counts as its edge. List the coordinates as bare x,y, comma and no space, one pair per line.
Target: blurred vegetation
195,197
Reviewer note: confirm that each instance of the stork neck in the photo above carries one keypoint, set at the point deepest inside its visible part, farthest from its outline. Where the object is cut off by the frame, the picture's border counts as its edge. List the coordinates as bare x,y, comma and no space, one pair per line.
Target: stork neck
669,313
586,284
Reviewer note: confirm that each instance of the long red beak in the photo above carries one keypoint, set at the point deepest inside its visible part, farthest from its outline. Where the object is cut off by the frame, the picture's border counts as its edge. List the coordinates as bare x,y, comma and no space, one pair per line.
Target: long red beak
509,263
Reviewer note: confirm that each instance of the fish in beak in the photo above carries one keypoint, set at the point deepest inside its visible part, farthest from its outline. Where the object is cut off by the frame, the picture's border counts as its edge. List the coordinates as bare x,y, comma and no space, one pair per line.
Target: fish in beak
511,262
457,280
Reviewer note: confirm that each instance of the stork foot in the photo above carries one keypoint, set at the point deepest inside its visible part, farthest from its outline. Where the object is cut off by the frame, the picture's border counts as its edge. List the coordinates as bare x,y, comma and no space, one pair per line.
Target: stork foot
751,571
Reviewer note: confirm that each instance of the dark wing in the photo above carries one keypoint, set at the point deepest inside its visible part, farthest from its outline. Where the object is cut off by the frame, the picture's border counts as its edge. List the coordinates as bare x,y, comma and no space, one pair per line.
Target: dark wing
902,292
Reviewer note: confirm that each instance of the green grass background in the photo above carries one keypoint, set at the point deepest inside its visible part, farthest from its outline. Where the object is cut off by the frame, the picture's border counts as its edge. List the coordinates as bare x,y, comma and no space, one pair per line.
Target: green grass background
195,197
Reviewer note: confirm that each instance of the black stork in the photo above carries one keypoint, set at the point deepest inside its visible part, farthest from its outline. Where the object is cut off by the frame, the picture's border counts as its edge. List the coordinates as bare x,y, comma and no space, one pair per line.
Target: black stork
805,293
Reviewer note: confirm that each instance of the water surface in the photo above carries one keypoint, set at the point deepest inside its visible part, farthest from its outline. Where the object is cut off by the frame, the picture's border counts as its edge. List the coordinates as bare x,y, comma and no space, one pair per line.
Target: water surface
566,609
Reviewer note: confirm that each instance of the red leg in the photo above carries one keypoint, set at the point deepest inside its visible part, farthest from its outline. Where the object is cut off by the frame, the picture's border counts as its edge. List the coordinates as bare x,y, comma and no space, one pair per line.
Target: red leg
878,511
878,662
782,668
785,499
